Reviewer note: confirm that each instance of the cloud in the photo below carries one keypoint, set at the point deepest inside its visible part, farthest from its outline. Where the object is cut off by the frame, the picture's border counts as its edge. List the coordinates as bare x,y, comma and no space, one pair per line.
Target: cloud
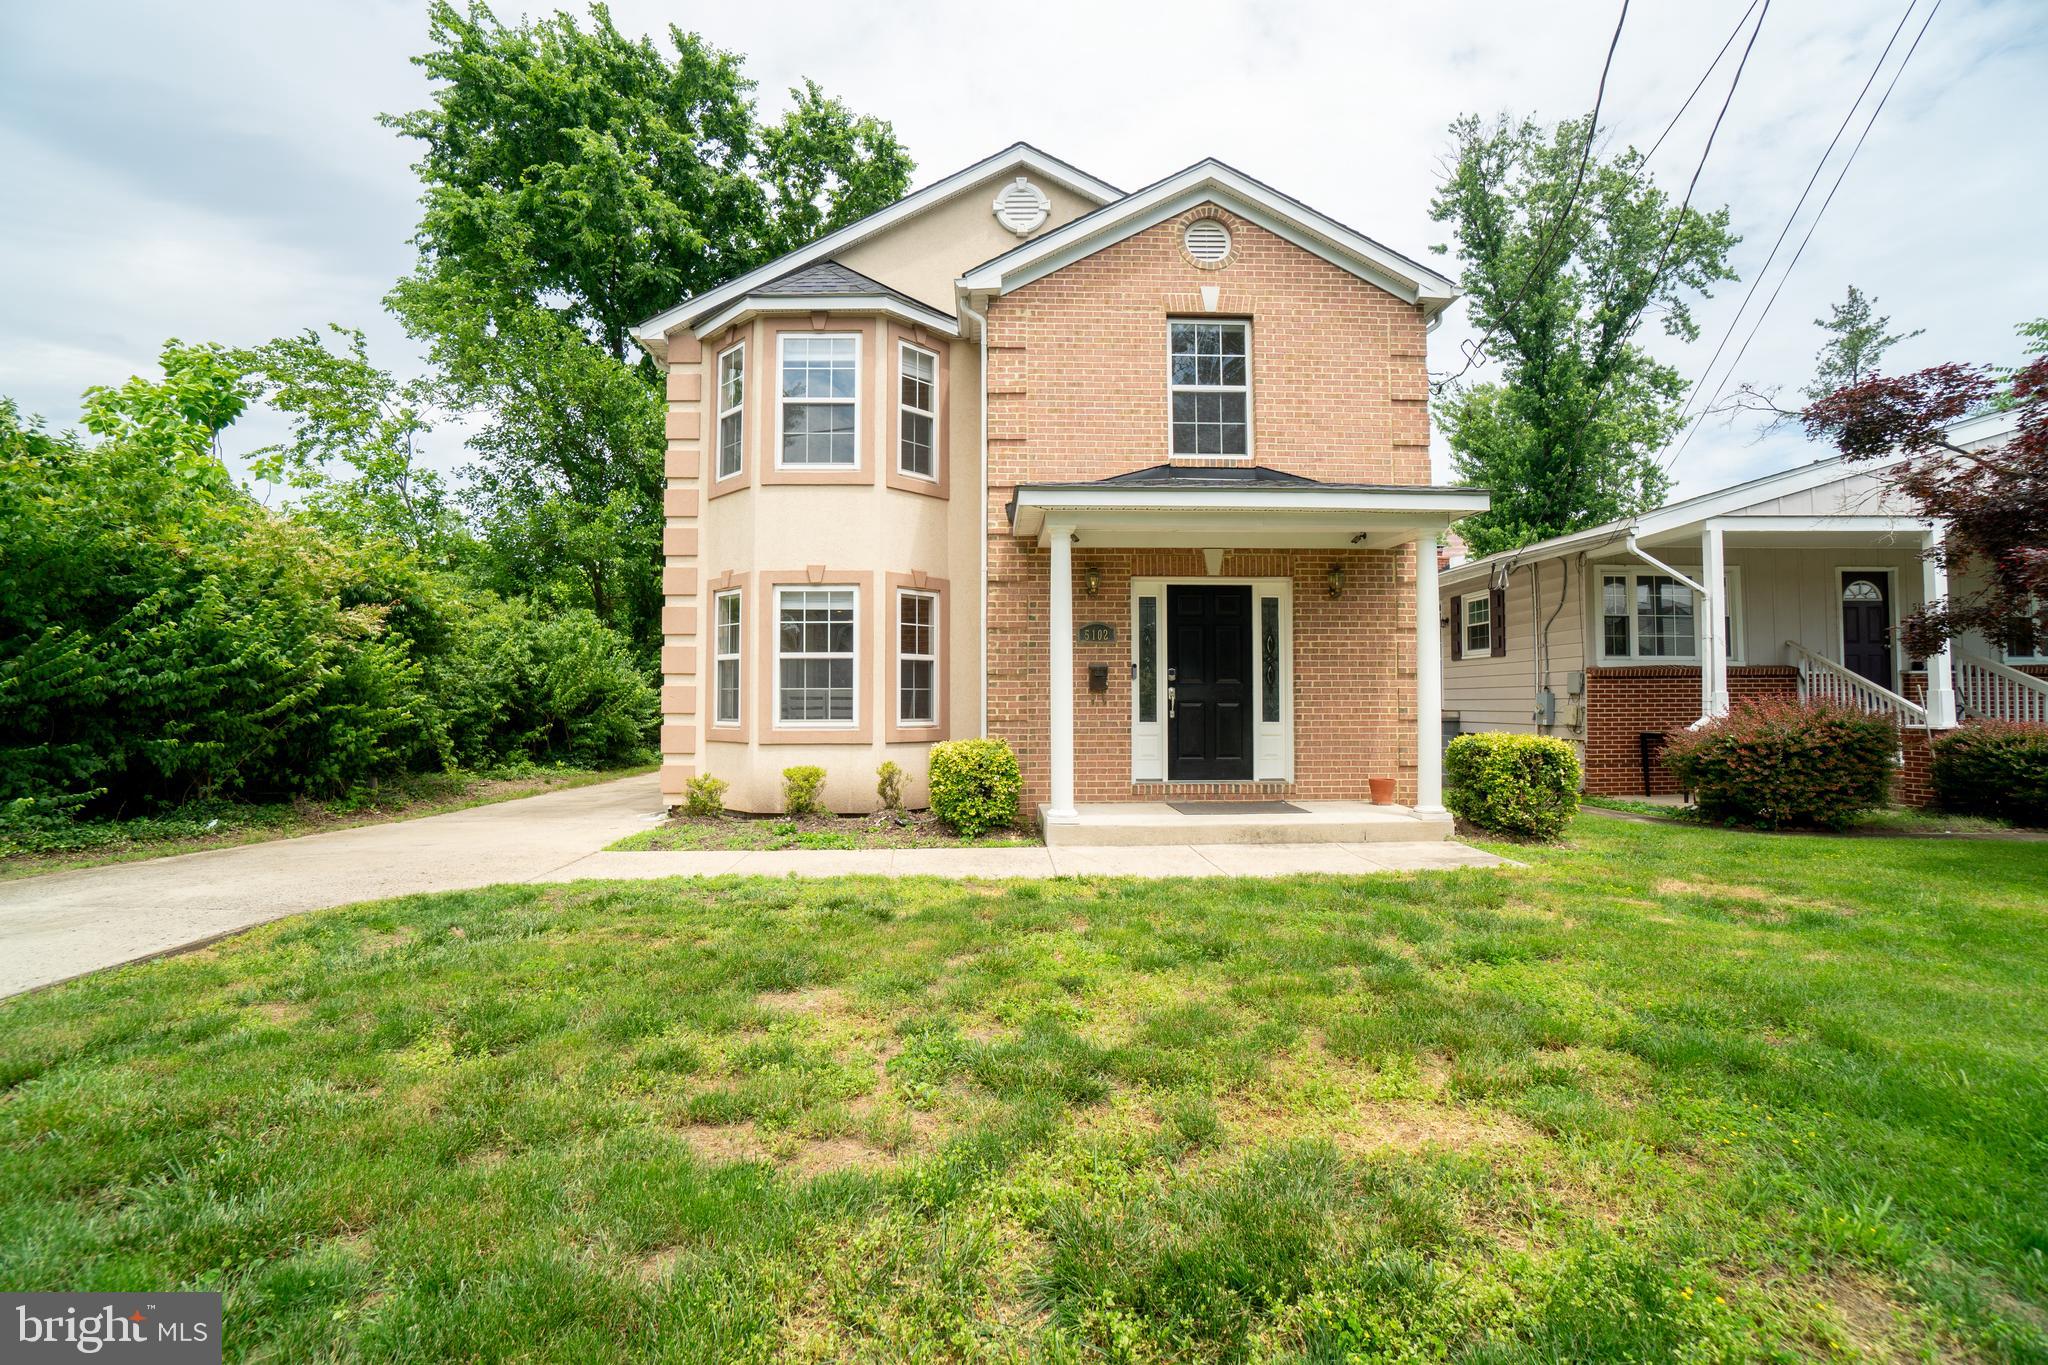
219,174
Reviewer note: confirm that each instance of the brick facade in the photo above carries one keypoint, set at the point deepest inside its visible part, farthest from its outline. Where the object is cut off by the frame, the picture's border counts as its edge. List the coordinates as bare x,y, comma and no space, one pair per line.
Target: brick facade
1077,391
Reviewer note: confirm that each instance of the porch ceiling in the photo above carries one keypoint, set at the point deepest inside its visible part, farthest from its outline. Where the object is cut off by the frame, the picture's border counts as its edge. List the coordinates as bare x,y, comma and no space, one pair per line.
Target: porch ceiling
1241,514
1798,533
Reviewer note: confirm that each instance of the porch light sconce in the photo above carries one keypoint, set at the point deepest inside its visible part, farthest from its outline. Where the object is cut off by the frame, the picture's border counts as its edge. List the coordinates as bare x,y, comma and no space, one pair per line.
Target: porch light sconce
1091,579
1336,580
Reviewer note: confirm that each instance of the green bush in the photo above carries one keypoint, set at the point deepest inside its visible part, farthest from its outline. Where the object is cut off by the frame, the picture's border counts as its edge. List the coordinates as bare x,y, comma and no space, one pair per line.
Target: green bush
1995,768
704,795
1773,764
1525,785
800,790
975,785
889,785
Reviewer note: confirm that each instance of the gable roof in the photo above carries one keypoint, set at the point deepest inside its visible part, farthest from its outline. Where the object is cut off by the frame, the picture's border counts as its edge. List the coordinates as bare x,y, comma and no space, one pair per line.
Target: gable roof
1017,156
1206,181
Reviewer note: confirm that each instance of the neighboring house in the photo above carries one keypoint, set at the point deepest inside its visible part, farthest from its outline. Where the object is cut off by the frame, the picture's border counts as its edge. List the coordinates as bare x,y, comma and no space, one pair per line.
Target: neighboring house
1134,481
1598,637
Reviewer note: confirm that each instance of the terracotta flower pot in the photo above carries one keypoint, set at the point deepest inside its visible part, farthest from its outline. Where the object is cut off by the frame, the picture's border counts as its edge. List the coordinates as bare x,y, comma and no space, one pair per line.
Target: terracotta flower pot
1382,790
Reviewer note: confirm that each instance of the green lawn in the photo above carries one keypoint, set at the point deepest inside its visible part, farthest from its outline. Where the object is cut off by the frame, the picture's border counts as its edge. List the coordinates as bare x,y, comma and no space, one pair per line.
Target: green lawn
1669,1093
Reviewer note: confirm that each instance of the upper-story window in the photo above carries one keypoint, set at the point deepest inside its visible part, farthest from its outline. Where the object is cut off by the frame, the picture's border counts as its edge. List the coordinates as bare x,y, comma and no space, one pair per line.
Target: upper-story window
820,407
732,393
1209,387
917,381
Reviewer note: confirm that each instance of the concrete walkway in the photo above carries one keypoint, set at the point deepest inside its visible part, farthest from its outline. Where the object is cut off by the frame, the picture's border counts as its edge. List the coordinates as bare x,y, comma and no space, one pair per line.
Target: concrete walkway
65,924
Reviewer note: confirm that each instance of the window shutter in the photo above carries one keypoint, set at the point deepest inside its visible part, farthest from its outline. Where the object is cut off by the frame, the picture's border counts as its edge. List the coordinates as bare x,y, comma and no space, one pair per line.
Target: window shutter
1499,633
1457,627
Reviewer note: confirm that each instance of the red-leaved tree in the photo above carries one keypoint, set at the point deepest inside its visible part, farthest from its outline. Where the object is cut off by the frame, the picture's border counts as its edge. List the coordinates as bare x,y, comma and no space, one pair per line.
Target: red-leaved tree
1994,502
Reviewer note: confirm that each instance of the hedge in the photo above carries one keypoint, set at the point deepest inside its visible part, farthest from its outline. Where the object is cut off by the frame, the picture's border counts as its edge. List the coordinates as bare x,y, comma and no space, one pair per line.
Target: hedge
1524,785
1996,768
1777,763
975,785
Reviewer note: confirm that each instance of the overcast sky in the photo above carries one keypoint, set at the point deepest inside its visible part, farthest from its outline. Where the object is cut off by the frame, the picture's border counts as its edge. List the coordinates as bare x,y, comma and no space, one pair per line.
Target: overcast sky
214,171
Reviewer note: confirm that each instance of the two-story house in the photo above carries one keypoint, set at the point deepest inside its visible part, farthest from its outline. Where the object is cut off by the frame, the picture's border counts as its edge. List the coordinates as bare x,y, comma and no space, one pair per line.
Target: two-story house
1134,481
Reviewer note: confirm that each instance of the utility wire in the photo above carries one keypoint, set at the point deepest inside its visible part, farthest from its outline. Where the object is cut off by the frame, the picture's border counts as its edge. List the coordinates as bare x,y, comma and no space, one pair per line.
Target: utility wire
1702,82
1538,267
1819,213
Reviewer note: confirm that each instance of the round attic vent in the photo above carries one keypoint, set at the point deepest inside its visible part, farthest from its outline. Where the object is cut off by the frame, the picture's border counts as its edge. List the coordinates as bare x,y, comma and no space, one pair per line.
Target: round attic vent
1207,241
1022,207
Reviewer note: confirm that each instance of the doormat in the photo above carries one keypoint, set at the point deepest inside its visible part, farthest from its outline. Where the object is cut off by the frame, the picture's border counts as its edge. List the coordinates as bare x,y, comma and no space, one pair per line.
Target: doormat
1237,807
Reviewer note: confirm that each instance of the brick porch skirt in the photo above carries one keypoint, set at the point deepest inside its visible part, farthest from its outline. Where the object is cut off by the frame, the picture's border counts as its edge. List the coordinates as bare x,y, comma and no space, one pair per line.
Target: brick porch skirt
1623,704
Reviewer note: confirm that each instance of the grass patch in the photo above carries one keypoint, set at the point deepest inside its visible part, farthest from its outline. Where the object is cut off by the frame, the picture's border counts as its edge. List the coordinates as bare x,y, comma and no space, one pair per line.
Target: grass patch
1894,821
1669,1093
201,825
734,832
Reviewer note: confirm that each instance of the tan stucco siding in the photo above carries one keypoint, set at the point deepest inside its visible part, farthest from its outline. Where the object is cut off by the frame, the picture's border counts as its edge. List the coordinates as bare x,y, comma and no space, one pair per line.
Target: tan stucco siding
924,254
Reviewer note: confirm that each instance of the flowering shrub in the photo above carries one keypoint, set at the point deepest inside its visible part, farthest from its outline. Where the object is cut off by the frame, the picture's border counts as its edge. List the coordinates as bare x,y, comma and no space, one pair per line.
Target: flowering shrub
1512,784
975,785
1994,768
1771,764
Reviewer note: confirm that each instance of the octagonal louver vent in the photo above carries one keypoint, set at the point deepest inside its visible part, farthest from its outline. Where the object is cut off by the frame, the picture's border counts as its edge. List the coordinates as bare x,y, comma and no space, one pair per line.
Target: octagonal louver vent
1022,207
1207,240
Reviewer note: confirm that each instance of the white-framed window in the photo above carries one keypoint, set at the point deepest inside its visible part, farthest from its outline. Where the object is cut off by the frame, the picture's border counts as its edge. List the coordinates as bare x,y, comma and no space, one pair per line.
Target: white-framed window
725,648
1478,623
1648,617
732,394
2039,655
917,658
917,382
815,672
1208,385
819,401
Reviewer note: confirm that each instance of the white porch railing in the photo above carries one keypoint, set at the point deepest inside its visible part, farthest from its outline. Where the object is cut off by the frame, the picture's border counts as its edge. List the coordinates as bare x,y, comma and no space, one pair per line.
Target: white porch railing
1988,690
1825,680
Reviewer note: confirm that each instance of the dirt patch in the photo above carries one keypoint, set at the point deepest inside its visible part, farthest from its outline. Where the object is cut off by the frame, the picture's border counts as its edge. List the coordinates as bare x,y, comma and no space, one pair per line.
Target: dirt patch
818,1000
391,940
655,1266
734,831
725,1143
280,1012
1716,890
1409,1127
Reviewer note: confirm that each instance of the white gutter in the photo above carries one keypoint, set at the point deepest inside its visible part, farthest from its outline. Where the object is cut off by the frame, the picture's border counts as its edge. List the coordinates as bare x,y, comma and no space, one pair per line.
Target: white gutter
1640,553
981,513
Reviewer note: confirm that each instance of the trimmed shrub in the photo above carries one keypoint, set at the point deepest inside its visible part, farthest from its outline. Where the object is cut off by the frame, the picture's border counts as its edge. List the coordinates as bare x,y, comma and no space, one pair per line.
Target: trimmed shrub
800,790
704,795
1997,768
889,785
975,784
1772,764
1526,785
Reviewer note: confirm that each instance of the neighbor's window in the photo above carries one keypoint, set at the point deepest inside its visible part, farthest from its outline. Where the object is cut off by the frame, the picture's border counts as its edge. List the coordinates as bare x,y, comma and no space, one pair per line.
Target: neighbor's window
1209,387
1648,615
917,658
1478,624
732,392
917,382
814,668
725,648
820,377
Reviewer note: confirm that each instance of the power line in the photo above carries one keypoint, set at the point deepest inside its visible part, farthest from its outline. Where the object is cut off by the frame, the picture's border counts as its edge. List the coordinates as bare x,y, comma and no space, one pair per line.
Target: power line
1819,213
1473,352
1702,82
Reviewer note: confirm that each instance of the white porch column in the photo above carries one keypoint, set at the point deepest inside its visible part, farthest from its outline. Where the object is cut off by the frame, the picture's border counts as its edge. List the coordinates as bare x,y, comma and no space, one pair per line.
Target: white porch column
1714,638
1429,682
1941,669
1061,741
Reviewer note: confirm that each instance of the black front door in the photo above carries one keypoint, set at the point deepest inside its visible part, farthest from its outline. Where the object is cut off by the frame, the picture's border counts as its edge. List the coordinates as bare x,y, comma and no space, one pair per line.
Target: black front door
1867,625
1209,682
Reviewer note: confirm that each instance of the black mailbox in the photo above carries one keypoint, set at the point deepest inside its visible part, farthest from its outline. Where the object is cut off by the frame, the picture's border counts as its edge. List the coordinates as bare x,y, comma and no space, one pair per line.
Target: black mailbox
1098,677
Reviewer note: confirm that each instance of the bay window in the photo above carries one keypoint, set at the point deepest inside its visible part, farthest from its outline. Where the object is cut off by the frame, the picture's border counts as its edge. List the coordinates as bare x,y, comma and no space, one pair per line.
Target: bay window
732,392
819,401
917,658
814,656
725,647
917,407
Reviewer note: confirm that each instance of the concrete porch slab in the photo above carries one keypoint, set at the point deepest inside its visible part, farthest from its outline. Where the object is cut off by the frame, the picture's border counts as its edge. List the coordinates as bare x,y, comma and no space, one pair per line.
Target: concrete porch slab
1136,823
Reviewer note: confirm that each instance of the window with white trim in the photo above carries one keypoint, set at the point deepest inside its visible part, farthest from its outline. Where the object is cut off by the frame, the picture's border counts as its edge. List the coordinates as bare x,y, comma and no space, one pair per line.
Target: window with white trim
732,393
2038,619
1209,387
917,658
819,400
1478,624
1649,617
725,668
814,656
917,382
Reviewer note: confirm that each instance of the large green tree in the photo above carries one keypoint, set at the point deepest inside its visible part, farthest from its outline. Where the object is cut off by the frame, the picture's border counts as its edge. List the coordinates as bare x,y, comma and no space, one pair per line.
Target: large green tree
577,181
1560,283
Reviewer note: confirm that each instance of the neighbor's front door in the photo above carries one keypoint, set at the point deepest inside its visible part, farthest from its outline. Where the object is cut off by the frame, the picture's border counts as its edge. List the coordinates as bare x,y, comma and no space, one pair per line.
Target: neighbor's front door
1867,625
1209,683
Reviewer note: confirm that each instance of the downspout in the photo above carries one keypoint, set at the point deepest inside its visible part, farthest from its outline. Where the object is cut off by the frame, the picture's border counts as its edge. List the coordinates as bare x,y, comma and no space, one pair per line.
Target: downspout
981,509
1640,553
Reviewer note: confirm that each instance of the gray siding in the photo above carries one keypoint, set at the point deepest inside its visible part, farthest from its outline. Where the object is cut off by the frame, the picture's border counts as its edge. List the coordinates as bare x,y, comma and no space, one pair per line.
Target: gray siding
1499,693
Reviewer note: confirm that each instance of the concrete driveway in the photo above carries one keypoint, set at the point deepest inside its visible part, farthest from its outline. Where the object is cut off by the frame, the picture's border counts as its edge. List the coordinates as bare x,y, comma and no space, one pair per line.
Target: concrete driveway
64,924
